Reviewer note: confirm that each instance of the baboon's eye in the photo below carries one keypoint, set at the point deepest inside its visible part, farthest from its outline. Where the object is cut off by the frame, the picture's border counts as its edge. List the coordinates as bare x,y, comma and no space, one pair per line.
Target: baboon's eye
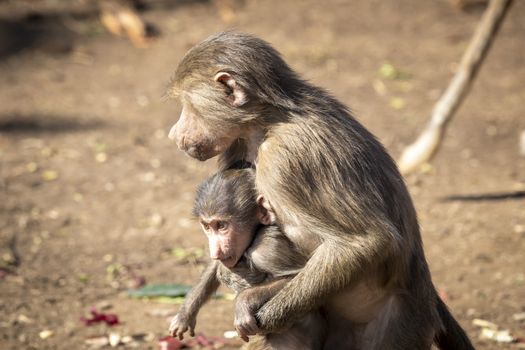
222,225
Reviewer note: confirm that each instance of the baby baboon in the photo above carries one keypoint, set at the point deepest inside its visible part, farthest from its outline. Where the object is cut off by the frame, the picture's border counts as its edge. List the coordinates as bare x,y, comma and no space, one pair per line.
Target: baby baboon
246,253
336,193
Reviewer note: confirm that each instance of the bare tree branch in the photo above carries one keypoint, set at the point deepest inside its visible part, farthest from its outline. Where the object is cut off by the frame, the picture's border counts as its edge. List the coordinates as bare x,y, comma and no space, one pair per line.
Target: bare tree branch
430,139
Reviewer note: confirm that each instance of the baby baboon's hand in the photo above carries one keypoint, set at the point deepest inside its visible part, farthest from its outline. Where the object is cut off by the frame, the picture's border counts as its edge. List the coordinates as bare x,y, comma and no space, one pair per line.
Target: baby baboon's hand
245,322
180,324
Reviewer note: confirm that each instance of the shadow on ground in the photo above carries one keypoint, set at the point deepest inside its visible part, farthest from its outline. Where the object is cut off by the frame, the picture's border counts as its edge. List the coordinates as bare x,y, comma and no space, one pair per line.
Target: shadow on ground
31,124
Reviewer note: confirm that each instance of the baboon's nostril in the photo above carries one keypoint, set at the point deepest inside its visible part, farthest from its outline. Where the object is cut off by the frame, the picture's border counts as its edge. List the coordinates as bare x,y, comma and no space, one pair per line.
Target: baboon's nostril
182,143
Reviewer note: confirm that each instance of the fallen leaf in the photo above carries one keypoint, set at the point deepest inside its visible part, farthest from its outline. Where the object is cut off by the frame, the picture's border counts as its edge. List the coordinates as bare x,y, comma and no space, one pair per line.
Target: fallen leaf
24,319
114,339
45,334
225,296
404,86
137,282
502,336
99,147
101,157
397,103
49,175
426,168
78,197
84,278
519,317
155,220
230,334
160,290
170,343
379,87
104,305
4,272
155,163
143,101
147,177
31,167
48,152
114,270
8,258
188,255
97,342
388,71
97,317
202,340
168,300
484,323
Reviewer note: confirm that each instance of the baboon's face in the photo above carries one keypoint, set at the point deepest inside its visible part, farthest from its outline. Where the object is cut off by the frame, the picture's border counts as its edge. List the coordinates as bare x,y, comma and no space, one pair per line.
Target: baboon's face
201,138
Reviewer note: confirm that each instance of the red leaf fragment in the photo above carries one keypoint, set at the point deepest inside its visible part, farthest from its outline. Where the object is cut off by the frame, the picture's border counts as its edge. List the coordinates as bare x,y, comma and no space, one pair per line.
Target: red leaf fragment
96,317
5,272
203,342
170,343
137,281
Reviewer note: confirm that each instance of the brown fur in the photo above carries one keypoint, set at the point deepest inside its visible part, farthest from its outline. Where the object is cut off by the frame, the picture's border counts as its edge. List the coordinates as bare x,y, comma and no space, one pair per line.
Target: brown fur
265,267
335,191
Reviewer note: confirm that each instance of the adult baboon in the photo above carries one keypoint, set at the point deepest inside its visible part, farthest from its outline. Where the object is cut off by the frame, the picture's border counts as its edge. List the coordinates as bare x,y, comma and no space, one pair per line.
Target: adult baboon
336,193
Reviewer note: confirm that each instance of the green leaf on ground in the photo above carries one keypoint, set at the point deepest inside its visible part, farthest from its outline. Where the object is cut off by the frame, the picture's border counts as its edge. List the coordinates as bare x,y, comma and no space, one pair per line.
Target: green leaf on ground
388,71
160,290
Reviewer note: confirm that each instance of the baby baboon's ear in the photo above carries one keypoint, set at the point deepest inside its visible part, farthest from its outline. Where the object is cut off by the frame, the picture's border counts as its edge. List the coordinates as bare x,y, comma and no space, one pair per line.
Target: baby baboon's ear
235,94
264,211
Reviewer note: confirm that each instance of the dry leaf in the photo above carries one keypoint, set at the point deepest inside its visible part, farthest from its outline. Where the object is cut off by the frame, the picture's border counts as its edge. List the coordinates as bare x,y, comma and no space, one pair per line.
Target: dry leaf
498,336
49,175
397,103
484,323
45,334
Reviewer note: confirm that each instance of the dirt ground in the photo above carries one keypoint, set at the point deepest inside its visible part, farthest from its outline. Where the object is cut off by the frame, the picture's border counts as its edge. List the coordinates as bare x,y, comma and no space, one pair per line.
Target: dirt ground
94,196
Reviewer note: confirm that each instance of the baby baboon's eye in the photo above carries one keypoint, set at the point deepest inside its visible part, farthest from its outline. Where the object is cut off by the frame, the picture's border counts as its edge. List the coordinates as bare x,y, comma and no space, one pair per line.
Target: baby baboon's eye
222,225
205,226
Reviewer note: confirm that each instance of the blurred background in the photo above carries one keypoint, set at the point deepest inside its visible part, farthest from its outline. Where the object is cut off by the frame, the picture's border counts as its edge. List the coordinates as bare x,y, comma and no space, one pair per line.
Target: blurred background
95,200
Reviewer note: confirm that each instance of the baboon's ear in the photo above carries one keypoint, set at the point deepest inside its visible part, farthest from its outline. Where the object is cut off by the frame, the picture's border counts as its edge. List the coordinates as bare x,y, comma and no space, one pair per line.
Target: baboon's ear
235,94
264,211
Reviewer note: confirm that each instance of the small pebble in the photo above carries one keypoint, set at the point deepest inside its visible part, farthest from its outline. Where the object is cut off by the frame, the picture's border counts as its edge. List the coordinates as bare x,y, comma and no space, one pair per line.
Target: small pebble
230,334
114,339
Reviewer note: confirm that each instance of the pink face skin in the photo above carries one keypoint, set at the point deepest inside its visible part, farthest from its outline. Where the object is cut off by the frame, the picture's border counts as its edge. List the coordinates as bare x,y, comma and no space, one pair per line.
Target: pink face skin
227,241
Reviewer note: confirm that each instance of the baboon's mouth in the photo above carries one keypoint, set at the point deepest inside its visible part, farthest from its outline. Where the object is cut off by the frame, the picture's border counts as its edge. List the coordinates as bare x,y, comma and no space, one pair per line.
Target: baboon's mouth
199,153
230,261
